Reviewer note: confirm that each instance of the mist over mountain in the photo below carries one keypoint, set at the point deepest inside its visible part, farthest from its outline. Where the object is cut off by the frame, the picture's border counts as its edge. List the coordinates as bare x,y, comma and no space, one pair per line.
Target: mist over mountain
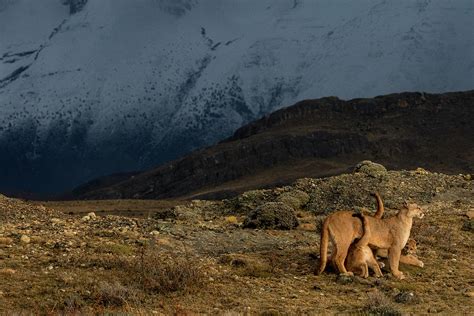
89,88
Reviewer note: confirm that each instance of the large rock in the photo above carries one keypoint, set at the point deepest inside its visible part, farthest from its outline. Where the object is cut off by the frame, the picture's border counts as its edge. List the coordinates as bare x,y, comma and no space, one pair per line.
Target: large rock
296,198
250,200
275,215
469,225
371,169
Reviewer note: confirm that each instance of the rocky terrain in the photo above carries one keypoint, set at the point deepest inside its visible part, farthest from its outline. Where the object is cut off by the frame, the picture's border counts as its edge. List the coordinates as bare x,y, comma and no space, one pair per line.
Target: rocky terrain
254,253
314,138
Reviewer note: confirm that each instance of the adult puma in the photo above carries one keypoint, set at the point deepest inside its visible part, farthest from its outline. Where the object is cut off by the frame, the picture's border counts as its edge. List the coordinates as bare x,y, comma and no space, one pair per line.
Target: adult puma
360,256
391,234
378,213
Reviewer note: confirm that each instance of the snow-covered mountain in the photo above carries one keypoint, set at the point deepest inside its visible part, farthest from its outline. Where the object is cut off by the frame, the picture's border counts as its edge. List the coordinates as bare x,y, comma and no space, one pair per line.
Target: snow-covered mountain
93,87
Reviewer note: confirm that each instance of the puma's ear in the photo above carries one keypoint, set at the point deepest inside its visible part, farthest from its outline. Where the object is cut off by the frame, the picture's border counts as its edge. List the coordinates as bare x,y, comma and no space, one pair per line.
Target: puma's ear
405,204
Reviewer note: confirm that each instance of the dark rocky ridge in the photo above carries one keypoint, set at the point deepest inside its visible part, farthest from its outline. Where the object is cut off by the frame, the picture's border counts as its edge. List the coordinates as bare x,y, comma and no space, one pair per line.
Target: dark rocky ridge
327,136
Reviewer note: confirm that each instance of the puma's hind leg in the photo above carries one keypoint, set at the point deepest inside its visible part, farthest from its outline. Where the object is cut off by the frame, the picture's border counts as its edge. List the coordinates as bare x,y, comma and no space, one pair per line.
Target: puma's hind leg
341,249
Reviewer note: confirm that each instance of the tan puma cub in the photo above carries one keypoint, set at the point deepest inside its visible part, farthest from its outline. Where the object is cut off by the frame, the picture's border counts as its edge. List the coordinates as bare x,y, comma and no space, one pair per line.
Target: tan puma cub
360,256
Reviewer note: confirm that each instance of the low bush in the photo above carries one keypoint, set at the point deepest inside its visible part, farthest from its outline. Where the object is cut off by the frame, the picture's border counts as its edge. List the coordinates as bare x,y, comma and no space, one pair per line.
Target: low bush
158,271
379,304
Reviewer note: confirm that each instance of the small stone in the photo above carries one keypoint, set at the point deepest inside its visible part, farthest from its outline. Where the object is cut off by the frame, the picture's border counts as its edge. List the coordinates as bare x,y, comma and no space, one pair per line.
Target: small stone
468,225
421,171
85,218
406,297
344,279
6,241
163,242
307,227
37,239
470,214
154,232
316,288
91,215
25,239
56,220
7,271
69,233
469,294
231,219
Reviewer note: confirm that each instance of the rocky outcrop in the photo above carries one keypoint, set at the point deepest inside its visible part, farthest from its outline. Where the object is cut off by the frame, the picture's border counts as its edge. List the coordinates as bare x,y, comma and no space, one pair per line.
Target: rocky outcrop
275,215
404,130
371,169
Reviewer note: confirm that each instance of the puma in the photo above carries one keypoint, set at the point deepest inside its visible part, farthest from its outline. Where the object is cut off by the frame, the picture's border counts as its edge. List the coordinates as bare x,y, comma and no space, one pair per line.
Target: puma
391,234
360,256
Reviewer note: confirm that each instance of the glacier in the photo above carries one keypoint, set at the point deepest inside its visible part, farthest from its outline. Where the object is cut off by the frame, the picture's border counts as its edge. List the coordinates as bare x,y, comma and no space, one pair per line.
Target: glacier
93,87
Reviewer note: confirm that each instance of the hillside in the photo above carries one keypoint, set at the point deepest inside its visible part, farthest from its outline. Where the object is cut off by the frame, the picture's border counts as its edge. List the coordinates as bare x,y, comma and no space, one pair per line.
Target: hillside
198,257
94,87
315,138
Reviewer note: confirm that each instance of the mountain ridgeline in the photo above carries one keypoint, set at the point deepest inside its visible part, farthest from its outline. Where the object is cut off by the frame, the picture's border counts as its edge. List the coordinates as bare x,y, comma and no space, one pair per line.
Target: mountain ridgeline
314,138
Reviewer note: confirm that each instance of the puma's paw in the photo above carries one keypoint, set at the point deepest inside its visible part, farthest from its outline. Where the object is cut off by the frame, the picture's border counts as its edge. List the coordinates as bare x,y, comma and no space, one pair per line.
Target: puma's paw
399,275
348,273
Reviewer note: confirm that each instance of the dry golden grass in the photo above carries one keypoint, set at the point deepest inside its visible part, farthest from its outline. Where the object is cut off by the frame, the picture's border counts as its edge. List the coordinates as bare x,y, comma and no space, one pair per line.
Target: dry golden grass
136,208
156,271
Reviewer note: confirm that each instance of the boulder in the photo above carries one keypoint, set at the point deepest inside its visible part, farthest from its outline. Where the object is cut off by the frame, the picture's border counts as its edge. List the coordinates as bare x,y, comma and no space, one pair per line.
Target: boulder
25,239
296,199
273,215
371,169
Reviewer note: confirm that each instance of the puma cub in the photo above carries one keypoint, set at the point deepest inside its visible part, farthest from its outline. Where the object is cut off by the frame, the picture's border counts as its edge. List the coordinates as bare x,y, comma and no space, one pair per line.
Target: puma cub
360,256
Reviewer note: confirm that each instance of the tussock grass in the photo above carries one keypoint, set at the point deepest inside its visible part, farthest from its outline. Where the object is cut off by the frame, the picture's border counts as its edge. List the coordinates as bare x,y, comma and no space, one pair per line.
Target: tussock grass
379,304
156,270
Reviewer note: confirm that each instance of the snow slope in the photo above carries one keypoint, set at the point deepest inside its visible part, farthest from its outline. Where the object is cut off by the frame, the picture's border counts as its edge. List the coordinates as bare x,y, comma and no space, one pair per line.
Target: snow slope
124,85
